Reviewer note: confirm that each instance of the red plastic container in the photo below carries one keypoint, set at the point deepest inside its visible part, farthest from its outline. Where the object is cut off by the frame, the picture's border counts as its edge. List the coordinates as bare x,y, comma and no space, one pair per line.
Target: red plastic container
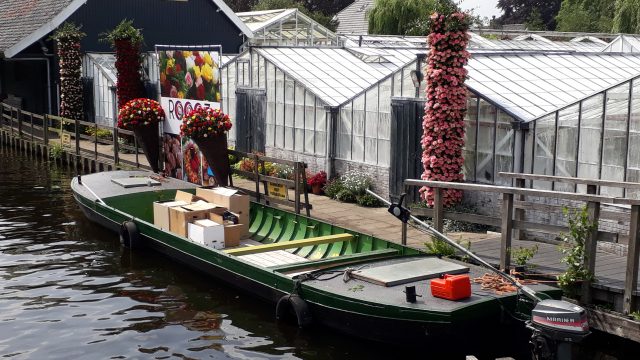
452,287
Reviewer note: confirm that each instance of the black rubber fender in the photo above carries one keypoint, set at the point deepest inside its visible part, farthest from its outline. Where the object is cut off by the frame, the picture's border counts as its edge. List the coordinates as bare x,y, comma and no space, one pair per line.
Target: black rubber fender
129,235
298,306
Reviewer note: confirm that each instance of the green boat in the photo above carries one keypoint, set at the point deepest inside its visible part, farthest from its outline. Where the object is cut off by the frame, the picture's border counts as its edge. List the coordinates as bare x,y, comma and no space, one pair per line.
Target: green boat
355,283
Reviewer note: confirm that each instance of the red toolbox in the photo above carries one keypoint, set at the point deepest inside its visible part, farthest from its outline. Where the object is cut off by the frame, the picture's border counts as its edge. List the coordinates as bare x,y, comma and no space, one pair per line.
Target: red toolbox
451,287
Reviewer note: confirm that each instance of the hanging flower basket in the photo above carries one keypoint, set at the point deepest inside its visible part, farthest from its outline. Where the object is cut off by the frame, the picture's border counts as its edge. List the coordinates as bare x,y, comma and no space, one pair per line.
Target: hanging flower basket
142,116
207,128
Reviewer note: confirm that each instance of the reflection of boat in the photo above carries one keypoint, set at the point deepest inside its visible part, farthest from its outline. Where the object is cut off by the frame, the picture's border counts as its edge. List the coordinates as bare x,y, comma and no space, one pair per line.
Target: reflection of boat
320,282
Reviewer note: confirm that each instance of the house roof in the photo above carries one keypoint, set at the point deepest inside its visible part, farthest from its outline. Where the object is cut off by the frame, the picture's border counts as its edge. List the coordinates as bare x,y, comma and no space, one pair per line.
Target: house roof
529,86
337,75
353,19
22,23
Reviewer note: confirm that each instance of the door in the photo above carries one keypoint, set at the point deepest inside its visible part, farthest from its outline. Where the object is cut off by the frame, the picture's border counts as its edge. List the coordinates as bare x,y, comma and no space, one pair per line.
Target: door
251,117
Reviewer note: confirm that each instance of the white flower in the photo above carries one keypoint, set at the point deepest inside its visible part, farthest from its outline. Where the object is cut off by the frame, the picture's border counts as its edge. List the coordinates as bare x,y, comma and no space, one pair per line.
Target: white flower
191,62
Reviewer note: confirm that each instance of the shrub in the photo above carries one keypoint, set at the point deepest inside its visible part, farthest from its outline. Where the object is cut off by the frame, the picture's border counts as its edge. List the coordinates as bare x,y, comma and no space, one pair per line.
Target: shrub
346,196
318,179
368,200
580,227
356,182
282,171
102,133
440,247
333,188
55,151
522,255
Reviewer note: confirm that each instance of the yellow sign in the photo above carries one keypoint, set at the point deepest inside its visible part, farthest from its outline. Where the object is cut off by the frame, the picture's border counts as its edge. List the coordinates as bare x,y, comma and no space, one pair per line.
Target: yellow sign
278,191
65,139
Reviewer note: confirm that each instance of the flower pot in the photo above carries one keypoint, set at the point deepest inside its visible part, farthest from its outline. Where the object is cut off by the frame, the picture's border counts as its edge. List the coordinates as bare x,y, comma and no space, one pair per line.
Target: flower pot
316,189
149,138
214,149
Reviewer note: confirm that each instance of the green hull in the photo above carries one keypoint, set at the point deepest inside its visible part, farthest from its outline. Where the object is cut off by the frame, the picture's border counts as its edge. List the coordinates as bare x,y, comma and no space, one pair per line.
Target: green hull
376,313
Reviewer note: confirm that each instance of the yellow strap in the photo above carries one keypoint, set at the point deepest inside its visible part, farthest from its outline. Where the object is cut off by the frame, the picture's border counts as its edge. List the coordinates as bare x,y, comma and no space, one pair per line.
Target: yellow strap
289,244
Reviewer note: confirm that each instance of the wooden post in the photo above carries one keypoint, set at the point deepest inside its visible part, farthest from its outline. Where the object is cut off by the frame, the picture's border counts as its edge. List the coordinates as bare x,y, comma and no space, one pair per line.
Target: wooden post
95,145
116,146
631,278
31,118
135,143
438,210
256,170
506,230
45,129
19,116
77,131
590,245
519,213
303,167
297,186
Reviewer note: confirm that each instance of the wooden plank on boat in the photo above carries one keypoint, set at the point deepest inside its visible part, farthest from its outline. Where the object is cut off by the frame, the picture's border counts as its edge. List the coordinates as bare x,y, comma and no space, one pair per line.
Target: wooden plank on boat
410,271
283,245
274,258
335,261
131,182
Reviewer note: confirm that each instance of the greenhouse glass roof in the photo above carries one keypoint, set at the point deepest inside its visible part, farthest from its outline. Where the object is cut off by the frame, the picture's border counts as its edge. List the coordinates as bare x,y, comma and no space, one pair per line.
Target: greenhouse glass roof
106,63
624,43
531,85
337,75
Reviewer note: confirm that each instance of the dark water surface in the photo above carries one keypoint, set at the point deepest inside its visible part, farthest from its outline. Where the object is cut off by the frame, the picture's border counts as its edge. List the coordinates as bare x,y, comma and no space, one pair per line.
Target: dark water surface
68,290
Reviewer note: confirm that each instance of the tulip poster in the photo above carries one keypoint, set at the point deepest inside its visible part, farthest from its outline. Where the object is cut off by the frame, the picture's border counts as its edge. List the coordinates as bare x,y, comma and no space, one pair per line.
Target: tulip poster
189,78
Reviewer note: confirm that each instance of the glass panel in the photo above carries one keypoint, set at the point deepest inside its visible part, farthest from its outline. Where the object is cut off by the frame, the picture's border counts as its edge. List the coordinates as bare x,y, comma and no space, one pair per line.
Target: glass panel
397,84
321,133
279,126
590,136
408,89
544,149
271,105
633,166
299,118
344,133
505,135
254,74
615,138
486,136
357,146
289,113
567,146
471,126
309,122
261,72
371,127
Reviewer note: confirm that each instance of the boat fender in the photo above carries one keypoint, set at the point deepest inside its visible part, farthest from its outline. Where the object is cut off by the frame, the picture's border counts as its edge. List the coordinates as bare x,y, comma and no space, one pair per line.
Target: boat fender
129,235
300,308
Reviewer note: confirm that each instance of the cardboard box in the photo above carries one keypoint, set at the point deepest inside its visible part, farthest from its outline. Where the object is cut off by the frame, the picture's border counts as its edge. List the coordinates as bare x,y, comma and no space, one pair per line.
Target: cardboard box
233,199
207,233
184,196
181,216
232,232
161,213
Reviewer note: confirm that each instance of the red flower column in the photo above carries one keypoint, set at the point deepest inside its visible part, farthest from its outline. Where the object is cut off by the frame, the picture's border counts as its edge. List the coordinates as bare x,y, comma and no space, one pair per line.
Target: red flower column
128,65
446,107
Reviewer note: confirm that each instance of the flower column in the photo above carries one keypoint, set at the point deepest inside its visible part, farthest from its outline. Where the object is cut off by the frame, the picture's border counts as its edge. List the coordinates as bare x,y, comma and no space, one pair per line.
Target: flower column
446,107
128,65
67,39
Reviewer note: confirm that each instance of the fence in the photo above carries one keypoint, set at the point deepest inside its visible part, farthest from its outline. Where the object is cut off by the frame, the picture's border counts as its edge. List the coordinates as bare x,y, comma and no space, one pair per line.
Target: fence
508,222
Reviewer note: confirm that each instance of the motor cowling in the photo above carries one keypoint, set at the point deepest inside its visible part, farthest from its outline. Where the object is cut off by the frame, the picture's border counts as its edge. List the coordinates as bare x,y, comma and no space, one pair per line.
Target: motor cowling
560,320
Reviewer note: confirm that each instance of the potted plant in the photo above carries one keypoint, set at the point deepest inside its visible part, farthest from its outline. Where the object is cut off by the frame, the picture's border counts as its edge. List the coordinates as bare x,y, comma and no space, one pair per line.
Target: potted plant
207,128
317,182
142,116
521,257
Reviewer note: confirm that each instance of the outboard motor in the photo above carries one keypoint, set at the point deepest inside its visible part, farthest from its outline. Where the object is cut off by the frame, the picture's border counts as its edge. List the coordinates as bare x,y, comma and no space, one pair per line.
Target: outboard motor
556,325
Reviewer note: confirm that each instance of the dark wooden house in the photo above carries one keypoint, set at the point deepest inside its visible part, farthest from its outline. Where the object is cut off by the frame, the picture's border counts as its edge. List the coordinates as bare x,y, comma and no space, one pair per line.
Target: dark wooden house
28,66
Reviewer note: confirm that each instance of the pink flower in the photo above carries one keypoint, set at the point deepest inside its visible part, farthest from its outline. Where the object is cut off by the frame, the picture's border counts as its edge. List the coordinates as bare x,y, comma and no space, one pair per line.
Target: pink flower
188,79
174,92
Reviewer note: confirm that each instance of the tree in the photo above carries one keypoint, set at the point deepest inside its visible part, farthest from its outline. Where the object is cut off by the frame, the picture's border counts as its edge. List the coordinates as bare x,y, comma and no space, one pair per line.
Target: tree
523,12
627,17
322,19
241,5
405,17
586,15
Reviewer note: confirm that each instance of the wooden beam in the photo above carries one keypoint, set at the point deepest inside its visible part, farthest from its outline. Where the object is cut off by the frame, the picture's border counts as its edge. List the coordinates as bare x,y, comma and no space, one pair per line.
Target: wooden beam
519,213
506,230
631,278
334,261
438,213
571,180
283,245
590,247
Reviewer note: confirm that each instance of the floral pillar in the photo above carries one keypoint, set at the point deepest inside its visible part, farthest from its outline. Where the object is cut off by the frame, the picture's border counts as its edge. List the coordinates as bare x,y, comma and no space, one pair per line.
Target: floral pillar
67,39
127,40
446,107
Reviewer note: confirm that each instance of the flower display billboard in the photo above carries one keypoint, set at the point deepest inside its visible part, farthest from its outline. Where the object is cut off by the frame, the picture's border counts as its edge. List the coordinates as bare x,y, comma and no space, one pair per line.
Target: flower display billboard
189,78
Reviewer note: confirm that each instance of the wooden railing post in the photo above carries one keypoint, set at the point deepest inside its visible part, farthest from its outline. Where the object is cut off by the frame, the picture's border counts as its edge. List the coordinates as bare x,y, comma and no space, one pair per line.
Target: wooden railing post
31,121
506,230
590,245
438,209
45,129
135,143
297,186
519,213
303,169
19,116
116,146
95,145
631,278
77,133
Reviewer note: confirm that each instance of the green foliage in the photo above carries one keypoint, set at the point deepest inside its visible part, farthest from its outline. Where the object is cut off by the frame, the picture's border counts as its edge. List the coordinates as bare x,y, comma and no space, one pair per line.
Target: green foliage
123,31
635,315
535,22
580,227
440,247
332,188
346,196
102,133
522,255
55,151
405,17
586,15
627,17
368,200
323,19
281,171
68,31
522,12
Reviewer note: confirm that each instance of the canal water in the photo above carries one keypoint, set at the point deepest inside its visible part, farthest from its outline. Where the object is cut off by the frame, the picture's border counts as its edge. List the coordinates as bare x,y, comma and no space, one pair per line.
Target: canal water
68,290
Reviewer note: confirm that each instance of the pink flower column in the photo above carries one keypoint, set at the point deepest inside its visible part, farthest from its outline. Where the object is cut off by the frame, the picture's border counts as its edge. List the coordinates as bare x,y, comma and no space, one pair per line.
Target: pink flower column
446,107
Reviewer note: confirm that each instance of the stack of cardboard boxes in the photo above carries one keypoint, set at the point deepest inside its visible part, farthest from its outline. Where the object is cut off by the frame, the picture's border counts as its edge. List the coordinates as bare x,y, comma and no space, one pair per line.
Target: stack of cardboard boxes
217,217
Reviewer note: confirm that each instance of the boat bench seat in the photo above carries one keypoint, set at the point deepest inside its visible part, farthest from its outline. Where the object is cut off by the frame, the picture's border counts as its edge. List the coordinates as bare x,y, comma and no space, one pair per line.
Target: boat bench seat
335,261
283,245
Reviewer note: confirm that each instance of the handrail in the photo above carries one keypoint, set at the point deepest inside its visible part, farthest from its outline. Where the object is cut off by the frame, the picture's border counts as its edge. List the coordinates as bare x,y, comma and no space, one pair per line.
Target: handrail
571,180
